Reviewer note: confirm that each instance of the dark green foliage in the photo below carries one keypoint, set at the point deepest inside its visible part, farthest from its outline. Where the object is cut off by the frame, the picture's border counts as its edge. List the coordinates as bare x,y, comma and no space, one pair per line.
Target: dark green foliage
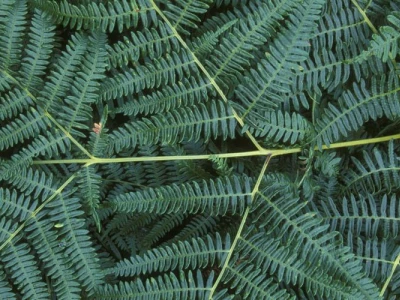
133,136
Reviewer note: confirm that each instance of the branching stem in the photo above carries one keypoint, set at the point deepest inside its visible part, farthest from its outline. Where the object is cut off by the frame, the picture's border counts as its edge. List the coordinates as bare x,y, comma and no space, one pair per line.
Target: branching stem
263,152
241,226
204,70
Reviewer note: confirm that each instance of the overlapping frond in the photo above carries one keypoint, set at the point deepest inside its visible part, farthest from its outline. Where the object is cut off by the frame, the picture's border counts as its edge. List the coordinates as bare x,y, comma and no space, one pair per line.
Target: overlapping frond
51,145
127,160
151,43
16,257
163,71
193,254
359,105
159,229
188,123
310,241
26,276
79,252
76,107
270,257
215,197
234,53
119,14
251,282
38,51
12,33
13,103
370,227
169,286
5,288
341,36
204,44
282,128
197,227
57,87
266,85
22,128
44,239
89,182
186,92
385,44
364,216
186,14
377,172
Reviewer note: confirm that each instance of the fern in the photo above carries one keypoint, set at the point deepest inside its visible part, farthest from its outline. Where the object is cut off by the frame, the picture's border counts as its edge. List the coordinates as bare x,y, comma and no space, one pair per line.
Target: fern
214,198
199,149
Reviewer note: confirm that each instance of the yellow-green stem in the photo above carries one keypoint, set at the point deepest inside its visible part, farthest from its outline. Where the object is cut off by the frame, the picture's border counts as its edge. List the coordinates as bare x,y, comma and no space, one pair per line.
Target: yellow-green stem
263,152
204,70
241,226
37,210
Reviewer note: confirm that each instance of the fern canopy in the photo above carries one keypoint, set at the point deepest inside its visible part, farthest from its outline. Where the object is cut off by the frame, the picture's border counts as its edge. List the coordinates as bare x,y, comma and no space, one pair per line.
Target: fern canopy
199,149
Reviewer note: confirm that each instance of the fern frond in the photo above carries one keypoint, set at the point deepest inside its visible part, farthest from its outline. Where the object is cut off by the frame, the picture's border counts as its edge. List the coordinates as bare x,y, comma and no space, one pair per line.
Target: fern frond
184,15
265,86
5,288
159,229
118,14
270,257
366,216
38,51
196,254
15,206
331,70
26,275
205,44
359,106
385,44
163,287
251,283
79,252
23,128
185,92
328,164
169,69
304,231
183,124
62,76
235,50
153,174
221,166
341,36
89,182
5,81
52,145
215,197
378,256
186,170
13,103
282,128
219,3
151,42
377,173
44,239
29,182
343,24
76,107
11,34
198,226
98,142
